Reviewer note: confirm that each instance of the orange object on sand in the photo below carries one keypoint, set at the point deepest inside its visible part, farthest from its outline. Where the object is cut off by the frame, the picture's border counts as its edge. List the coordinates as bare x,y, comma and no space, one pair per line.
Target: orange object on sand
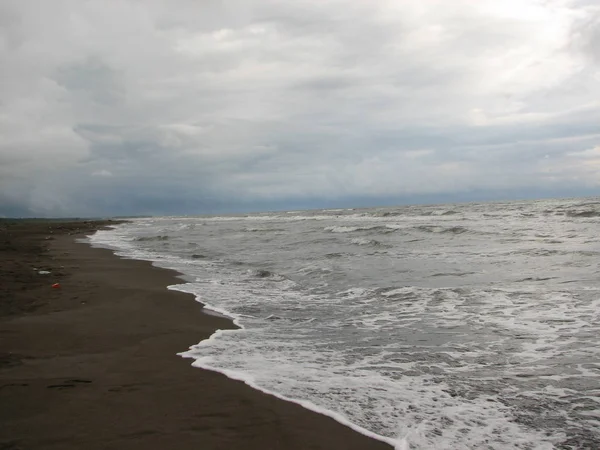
56,285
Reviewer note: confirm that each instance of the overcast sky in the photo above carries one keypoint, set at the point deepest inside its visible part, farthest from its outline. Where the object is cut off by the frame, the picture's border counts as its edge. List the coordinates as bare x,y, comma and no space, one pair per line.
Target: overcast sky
167,107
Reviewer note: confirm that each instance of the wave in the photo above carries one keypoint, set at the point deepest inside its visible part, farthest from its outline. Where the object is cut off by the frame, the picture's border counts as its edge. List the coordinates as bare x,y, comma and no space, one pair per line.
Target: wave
535,279
274,317
342,229
262,230
388,214
452,274
583,214
259,273
368,242
265,274
593,203
442,230
429,401
585,253
536,252
448,212
574,212
374,228
152,238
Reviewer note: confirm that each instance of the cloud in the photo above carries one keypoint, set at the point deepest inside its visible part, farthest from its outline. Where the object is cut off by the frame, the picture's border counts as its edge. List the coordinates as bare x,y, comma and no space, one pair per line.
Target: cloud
129,107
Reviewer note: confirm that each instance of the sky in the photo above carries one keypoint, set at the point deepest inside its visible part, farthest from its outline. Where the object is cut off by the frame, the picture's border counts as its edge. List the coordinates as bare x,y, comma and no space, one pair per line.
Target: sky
131,107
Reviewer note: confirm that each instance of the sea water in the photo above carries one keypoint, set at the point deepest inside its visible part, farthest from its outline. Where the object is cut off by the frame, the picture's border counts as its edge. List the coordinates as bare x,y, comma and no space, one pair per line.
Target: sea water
466,326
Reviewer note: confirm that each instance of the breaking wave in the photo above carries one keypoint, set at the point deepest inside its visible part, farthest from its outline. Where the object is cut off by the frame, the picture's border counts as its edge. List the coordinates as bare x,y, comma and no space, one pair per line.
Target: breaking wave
583,213
442,230
152,238
463,327
368,242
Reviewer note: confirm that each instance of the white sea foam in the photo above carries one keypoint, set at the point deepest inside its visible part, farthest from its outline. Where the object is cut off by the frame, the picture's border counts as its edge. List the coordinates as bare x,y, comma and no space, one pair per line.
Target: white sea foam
367,336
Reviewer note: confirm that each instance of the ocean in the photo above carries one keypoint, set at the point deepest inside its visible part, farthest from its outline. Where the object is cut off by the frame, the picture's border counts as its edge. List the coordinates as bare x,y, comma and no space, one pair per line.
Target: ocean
459,326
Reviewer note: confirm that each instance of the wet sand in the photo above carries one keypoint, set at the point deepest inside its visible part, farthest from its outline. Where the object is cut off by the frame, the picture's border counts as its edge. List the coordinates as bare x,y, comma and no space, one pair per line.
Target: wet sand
93,364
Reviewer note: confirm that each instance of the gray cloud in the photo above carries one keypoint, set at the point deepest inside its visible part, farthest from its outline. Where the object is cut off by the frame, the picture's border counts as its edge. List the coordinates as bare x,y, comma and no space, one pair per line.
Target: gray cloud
128,107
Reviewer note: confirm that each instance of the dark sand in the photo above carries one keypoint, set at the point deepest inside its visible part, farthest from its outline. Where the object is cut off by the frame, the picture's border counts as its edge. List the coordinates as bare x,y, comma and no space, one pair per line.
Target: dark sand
93,365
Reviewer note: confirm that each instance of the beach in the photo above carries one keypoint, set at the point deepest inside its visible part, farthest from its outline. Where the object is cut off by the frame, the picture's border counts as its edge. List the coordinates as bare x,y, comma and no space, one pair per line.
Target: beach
93,363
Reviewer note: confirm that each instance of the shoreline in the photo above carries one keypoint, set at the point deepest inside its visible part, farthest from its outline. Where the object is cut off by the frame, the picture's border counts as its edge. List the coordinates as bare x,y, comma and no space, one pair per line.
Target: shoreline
236,325
96,363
